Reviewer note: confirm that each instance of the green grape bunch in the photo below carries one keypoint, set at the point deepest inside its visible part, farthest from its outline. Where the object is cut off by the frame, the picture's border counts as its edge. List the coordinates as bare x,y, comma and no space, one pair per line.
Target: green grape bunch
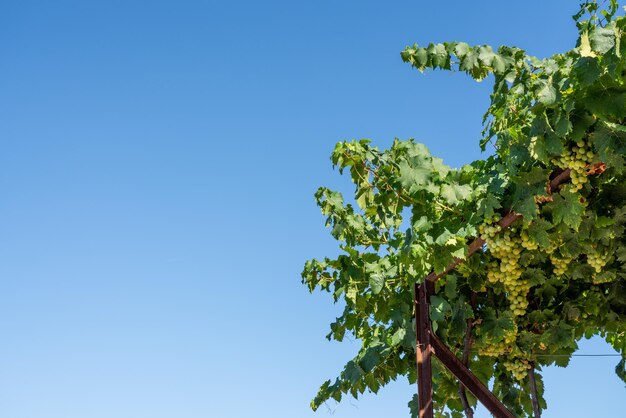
517,367
577,159
506,247
597,260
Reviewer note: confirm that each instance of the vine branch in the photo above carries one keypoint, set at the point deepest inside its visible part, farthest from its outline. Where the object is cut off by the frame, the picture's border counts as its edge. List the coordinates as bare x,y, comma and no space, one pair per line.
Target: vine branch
467,346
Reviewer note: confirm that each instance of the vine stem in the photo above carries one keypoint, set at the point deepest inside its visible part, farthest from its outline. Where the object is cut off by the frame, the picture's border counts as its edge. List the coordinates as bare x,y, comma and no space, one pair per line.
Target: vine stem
467,346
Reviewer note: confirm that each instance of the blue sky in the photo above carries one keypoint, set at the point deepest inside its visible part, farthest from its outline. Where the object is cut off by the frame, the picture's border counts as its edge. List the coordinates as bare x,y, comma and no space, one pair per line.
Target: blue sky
157,166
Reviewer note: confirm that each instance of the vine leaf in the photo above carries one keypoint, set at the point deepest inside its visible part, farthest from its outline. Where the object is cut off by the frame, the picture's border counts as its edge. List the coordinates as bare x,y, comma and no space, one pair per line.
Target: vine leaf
567,208
495,327
602,39
547,93
538,232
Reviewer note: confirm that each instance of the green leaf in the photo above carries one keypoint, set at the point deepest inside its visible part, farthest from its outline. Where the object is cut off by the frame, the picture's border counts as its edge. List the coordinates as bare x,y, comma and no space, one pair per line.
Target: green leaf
546,293
518,155
488,205
620,369
499,64
546,94
528,185
604,221
526,207
371,358
602,39
607,104
377,282
322,396
460,251
461,49
562,125
567,208
535,276
620,253
450,289
441,258
421,57
413,178
553,143
587,70
609,140
455,193
439,307
469,61
560,335
538,232
439,56
445,237
495,327
398,336
460,314
486,55
414,407
352,372
538,149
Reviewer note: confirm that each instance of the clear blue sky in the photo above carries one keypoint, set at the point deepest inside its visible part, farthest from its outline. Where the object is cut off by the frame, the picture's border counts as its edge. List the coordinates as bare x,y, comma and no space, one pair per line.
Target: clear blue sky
157,166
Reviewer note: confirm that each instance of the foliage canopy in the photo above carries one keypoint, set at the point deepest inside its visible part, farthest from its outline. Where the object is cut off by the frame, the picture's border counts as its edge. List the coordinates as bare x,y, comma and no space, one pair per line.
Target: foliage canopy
557,276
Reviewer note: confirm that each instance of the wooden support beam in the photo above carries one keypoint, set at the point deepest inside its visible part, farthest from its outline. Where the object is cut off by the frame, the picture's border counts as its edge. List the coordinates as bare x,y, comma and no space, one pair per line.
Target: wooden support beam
423,351
469,380
533,391
427,343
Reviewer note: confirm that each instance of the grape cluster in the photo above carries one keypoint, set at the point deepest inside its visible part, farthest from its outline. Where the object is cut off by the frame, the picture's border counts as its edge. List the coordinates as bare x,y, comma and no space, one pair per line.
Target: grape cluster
518,367
507,247
559,262
513,360
527,243
576,159
496,349
490,228
518,297
596,260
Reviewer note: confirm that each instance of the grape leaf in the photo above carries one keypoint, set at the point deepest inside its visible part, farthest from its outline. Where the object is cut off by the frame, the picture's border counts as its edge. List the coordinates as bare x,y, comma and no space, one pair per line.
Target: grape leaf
567,208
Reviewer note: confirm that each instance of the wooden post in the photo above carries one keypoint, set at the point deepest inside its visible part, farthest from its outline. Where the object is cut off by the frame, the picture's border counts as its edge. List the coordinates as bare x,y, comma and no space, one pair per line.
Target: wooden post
427,343
423,352
533,391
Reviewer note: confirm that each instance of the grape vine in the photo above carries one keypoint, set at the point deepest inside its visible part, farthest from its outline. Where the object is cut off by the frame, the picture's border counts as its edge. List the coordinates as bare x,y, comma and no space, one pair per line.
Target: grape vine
553,274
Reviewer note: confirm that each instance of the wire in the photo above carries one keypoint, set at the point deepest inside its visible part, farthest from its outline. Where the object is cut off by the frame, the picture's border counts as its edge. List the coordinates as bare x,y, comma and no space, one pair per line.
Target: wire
557,355
548,355
577,355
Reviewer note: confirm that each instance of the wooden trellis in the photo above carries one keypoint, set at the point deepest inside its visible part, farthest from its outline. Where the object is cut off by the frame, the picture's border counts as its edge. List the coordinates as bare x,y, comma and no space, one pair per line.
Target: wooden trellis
427,342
